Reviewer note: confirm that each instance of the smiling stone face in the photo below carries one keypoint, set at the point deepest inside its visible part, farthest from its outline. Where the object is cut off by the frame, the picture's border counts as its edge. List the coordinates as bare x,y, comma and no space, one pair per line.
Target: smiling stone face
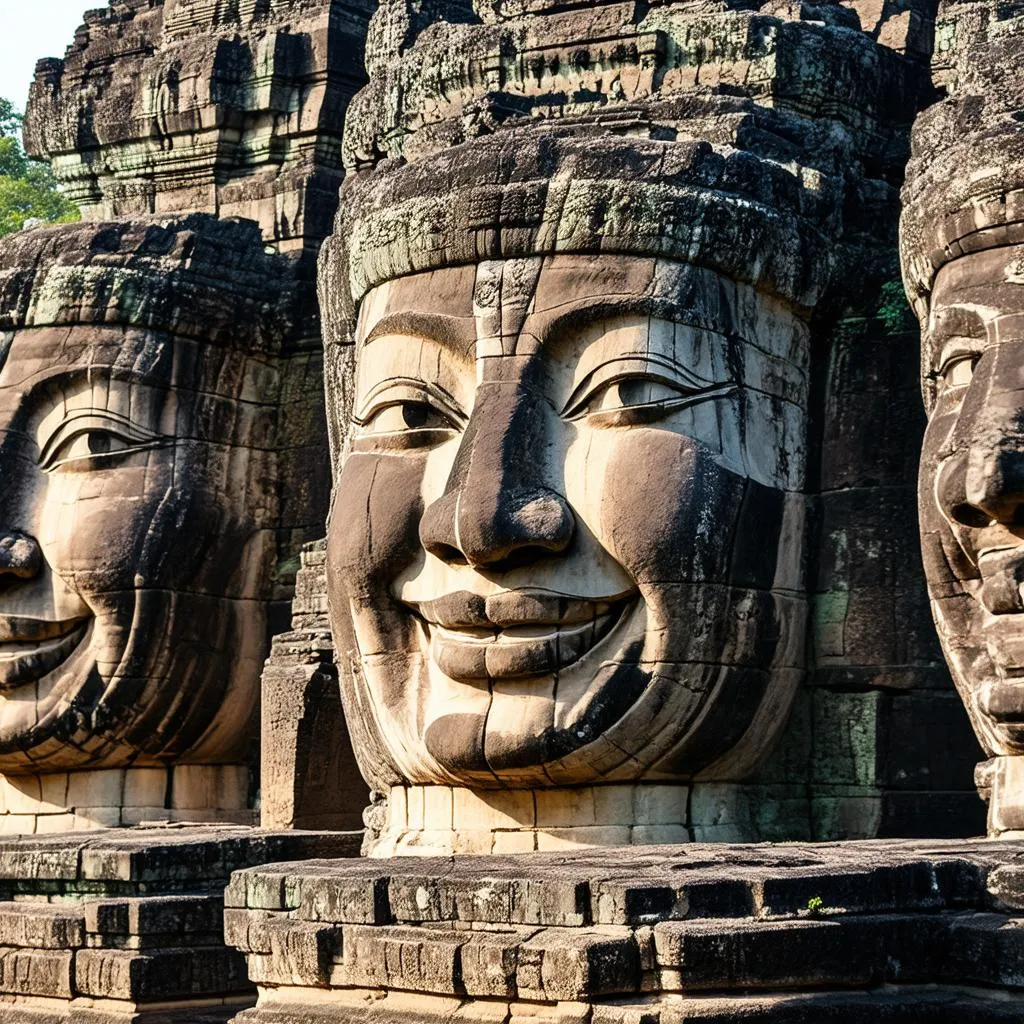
566,541
129,555
146,519
972,484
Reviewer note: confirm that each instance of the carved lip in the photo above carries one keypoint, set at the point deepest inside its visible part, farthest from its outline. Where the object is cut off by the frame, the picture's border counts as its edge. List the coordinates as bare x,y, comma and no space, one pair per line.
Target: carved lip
515,634
1002,574
32,648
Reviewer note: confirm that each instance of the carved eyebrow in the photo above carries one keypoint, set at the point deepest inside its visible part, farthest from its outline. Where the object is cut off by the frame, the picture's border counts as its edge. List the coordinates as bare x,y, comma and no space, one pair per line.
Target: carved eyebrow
584,313
44,382
960,320
458,333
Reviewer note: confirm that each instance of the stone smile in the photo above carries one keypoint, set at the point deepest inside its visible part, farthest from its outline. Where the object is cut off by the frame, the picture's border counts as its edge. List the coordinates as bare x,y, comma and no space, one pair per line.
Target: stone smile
515,635
32,648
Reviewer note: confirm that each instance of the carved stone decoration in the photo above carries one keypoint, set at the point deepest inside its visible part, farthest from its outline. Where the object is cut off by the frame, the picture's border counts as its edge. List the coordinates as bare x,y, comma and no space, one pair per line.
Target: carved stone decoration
963,260
201,105
566,554
155,411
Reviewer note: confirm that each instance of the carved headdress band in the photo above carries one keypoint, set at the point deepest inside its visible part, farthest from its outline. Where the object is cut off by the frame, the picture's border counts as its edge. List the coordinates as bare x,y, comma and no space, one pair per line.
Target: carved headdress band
191,276
949,211
535,189
486,133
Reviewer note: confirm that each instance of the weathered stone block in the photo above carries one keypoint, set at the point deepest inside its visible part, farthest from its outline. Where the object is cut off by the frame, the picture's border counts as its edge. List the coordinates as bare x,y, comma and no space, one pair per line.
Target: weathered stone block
168,974
413,959
564,964
37,972
789,954
43,926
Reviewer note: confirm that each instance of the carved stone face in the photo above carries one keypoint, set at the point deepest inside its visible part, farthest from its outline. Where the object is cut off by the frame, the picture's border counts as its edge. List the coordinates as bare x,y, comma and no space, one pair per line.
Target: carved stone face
566,540
129,554
972,485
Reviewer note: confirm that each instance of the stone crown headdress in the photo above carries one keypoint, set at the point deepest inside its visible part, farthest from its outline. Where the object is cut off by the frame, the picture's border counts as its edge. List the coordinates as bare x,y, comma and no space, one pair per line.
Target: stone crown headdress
965,181
734,139
193,276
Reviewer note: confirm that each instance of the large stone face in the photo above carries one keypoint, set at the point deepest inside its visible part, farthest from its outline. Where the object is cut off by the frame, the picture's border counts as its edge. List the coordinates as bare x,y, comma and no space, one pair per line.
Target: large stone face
149,379
588,264
962,253
233,109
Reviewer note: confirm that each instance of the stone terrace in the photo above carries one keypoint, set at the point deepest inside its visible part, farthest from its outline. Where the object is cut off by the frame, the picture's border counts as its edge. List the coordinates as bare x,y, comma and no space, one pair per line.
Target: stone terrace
118,926
921,931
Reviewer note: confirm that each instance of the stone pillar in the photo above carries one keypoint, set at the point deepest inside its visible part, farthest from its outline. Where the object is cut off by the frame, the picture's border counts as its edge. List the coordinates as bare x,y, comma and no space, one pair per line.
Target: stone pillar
309,778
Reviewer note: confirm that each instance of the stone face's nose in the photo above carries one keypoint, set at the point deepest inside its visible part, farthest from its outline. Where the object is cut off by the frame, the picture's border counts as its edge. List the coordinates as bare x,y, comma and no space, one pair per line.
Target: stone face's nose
20,556
982,482
498,508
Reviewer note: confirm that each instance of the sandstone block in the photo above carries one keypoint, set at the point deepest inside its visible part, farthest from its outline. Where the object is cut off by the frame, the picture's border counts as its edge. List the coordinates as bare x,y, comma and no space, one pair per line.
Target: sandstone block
563,964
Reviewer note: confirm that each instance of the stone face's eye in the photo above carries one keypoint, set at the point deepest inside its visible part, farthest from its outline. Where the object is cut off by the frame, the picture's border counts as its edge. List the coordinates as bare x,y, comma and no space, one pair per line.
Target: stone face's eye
958,372
405,416
631,392
90,440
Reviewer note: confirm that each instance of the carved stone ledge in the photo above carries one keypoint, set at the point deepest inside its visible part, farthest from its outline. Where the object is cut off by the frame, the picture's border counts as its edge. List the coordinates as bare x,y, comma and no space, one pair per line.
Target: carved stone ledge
127,926
863,931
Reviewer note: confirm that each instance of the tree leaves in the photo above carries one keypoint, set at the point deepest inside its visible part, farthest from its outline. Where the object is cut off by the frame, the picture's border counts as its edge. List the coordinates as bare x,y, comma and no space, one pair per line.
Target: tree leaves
27,188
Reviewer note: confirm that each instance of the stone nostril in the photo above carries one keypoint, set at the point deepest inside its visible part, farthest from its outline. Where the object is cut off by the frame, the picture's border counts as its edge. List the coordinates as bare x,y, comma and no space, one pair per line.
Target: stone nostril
966,514
20,555
447,553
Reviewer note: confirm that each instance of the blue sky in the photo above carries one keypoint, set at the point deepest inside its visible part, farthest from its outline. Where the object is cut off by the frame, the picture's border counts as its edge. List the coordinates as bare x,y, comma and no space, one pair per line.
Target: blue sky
30,29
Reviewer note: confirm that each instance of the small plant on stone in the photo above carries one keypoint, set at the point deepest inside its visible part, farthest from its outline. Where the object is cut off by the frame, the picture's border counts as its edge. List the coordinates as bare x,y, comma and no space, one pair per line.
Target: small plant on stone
815,905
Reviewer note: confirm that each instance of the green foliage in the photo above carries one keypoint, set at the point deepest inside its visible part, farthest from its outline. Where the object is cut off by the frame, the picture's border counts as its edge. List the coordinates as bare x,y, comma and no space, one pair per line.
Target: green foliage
894,311
10,119
27,188
815,905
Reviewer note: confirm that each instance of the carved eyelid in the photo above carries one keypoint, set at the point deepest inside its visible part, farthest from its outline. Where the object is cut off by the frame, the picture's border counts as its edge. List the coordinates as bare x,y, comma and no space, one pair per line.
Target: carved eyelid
80,421
414,390
956,349
649,366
